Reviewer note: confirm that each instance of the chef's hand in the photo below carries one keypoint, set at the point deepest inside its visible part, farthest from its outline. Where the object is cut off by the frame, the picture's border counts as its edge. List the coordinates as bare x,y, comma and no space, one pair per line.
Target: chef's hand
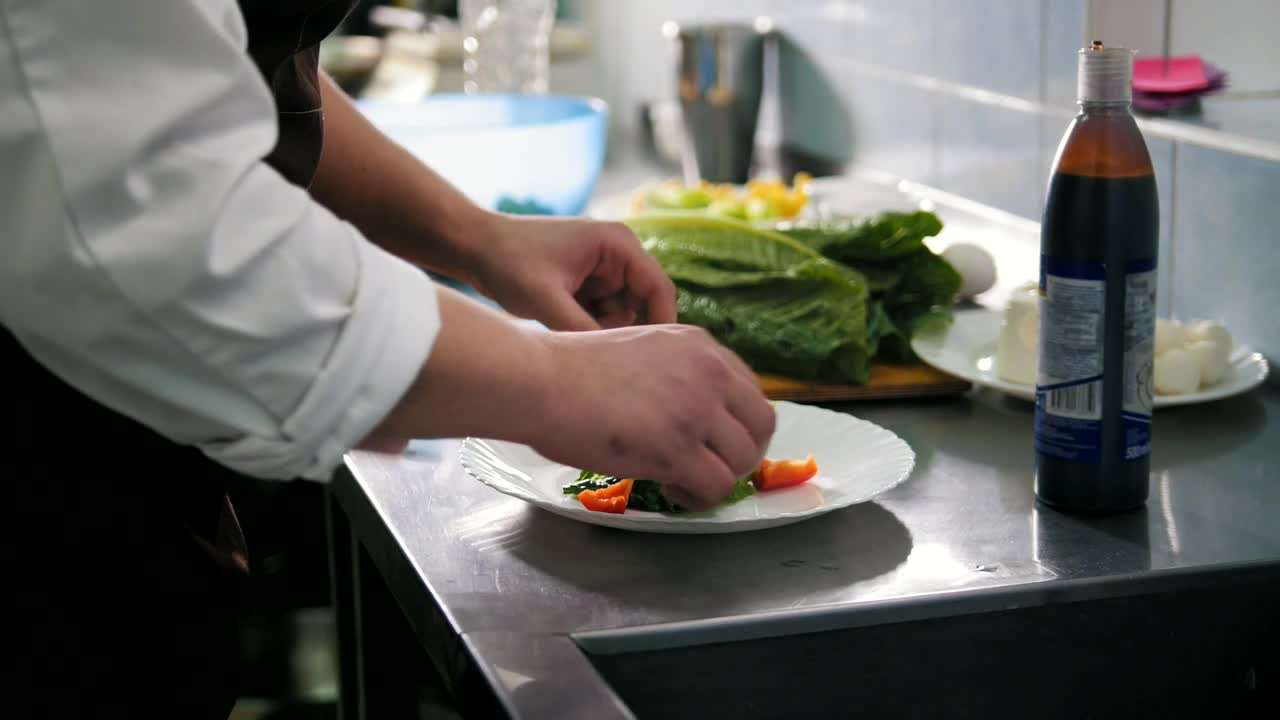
663,402
571,274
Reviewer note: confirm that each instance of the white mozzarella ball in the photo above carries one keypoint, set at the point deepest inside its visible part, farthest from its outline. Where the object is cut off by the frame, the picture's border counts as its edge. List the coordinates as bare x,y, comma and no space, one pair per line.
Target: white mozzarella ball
1176,372
1169,334
1209,330
1212,359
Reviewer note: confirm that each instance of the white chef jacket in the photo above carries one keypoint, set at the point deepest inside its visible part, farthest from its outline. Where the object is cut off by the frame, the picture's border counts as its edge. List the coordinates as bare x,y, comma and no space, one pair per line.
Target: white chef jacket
154,262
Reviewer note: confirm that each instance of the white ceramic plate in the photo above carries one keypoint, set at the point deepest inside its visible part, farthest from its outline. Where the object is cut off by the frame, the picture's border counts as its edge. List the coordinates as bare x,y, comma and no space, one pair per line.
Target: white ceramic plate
857,460
968,350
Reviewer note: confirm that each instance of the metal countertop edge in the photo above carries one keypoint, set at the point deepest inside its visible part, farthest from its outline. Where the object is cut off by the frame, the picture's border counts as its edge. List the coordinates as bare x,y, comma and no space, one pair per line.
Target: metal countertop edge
572,686
1039,593
567,686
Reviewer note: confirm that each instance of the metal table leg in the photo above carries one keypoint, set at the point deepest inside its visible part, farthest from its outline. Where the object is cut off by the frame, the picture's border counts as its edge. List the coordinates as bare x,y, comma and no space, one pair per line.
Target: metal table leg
344,596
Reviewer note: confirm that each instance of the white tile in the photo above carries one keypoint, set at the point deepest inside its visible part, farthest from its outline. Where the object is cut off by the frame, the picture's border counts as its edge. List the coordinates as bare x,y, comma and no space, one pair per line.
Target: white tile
990,154
897,34
1225,262
650,64
991,44
821,27
893,125
1135,24
1065,31
1239,36
713,10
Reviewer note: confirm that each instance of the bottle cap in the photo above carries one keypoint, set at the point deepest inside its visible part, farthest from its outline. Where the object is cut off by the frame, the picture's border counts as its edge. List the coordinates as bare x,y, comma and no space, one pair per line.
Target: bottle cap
1105,75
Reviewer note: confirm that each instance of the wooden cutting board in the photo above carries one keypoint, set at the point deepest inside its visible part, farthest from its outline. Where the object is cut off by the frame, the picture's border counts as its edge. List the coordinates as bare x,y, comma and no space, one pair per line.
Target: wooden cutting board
886,382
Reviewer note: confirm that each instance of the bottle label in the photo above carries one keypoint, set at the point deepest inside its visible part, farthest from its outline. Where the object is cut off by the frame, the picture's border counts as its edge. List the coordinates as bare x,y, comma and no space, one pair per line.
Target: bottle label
1069,385
1139,357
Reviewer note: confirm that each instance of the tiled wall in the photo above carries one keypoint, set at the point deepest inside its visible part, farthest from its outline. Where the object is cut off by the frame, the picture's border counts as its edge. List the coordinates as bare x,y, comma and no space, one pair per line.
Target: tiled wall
972,96
1226,254
1239,35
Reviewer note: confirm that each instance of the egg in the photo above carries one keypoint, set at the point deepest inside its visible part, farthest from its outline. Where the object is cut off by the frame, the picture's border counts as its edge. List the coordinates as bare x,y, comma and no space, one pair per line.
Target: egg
1169,334
1212,358
976,267
1209,330
1177,372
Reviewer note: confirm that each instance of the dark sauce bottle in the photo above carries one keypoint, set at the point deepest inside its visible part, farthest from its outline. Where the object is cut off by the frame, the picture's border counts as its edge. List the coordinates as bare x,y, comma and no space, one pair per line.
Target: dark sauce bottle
1098,247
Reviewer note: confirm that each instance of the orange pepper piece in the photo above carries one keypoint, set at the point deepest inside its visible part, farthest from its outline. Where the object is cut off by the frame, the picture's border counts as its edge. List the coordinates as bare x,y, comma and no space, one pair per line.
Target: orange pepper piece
612,499
777,474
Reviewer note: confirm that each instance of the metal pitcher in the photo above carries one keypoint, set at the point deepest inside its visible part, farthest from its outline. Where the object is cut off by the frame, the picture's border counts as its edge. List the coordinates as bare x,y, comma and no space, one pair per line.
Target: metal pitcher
721,71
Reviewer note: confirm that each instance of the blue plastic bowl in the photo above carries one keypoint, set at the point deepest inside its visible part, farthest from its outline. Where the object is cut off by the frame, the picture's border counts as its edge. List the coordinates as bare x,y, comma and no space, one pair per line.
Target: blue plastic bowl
516,153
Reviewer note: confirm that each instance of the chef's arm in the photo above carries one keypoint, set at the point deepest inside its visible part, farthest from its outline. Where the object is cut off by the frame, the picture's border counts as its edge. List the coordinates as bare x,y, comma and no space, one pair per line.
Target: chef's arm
394,199
486,376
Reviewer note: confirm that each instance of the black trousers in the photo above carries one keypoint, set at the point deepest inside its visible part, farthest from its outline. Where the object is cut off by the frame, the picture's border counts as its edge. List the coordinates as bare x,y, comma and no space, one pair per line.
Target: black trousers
125,564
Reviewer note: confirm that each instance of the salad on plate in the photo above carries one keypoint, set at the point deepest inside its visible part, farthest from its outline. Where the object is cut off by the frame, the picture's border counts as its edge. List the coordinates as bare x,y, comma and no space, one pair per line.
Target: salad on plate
609,494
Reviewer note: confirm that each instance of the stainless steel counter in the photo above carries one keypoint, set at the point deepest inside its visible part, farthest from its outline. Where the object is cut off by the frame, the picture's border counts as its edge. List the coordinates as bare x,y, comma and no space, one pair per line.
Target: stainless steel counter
524,590
535,608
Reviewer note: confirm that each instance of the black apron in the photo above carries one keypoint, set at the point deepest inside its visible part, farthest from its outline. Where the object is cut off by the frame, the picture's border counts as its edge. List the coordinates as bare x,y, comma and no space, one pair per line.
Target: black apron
126,559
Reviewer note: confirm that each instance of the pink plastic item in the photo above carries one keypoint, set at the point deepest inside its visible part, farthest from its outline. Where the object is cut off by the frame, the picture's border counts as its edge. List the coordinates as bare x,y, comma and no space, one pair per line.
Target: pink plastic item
1182,74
